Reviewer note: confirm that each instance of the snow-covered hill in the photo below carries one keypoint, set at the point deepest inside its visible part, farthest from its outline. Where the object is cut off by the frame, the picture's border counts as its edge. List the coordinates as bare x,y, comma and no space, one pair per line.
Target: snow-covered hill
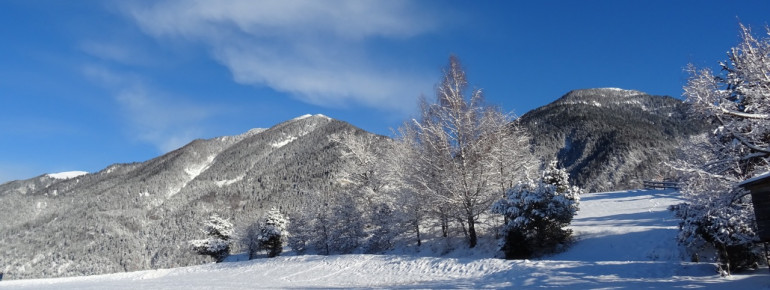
624,240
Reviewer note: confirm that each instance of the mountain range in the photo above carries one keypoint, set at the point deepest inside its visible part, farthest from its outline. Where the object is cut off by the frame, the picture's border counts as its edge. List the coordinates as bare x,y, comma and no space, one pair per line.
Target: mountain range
140,215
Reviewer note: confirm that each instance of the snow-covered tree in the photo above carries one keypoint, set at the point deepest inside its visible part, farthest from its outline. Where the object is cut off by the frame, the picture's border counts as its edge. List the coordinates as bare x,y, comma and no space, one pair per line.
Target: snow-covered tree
511,157
717,212
365,151
333,226
381,229
409,181
217,245
346,226
301,233
370,190
459,144
560,178
537,214
249,240
320,235
273,233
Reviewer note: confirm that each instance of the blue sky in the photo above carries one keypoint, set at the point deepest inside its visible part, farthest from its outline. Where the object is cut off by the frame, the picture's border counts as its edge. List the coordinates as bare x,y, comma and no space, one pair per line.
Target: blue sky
84,84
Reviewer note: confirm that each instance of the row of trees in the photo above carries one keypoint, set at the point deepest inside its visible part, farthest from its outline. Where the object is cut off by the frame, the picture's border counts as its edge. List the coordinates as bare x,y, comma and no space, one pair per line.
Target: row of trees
441,175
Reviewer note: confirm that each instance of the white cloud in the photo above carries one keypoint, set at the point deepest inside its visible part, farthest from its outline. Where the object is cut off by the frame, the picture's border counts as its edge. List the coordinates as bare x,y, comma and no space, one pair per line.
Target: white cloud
350,19
153,116
314,50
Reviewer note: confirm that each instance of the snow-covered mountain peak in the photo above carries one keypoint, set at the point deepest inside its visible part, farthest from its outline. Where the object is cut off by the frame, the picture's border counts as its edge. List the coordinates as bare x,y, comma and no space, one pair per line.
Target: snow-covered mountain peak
67,174
305,116
294,129
608,98
311,116
322,116
611,93
253,132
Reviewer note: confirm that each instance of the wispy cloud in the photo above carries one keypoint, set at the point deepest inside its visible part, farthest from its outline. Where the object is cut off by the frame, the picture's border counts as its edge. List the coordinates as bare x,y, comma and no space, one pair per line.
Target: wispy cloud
153,116
314,50
121,52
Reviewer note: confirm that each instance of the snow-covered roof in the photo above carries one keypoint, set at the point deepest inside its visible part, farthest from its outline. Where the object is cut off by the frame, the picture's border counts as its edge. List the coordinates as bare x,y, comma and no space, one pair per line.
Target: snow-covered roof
755,179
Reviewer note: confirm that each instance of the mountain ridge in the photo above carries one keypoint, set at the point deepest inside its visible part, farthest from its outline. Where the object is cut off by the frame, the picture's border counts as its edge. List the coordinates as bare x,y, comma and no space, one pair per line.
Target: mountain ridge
131,216
610,138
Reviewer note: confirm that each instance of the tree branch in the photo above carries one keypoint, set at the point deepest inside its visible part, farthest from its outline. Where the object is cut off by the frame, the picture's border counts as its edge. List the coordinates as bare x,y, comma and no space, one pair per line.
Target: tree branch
745,115
752,146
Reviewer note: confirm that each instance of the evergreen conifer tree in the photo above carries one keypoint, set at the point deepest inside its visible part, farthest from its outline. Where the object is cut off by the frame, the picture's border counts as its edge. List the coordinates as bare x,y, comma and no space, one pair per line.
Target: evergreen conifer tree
273,233
217,245
537,213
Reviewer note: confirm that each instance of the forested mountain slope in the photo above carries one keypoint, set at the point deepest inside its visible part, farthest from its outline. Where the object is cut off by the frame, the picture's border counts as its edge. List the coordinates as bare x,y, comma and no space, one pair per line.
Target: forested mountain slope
141,215
610,139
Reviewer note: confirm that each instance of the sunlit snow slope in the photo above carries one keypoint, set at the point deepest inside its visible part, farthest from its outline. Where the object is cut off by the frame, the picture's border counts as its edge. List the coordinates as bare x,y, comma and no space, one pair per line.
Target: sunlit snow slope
624,240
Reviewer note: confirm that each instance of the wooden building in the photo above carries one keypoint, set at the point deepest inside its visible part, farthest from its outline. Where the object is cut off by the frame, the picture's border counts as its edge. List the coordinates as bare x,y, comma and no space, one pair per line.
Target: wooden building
759,187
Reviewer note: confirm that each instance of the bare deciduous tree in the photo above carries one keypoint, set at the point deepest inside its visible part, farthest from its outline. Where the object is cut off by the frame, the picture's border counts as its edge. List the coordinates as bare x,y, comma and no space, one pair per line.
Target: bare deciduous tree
461,149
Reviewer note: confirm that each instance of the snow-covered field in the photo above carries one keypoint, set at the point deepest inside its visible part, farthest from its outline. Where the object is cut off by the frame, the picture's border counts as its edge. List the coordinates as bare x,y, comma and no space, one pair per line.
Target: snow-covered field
624,240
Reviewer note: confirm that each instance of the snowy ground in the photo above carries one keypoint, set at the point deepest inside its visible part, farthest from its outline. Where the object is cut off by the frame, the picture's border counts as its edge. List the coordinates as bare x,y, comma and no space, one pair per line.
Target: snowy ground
624,240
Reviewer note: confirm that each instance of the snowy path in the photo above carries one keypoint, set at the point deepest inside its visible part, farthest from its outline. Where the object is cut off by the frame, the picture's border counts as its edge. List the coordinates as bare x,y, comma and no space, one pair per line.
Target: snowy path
624,240
625,226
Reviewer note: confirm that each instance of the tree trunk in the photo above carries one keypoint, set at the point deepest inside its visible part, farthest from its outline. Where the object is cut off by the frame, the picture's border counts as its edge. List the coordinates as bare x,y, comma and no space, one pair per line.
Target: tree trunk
326,240
472,239
462,225
723,259
444,225
417,229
